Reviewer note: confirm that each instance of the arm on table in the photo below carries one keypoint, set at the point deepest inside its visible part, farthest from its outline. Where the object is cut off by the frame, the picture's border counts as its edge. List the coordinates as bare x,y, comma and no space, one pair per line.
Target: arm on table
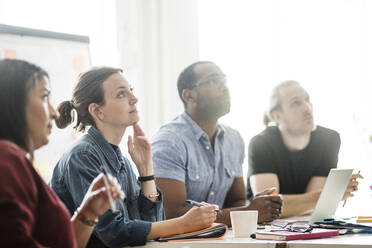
175,195
293,205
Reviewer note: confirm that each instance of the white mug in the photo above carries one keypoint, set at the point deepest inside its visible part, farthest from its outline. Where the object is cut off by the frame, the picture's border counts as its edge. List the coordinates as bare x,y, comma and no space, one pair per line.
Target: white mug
244,223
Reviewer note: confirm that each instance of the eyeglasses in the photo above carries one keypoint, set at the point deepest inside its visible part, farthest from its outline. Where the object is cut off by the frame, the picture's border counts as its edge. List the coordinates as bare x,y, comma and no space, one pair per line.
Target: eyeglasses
296,226
212,81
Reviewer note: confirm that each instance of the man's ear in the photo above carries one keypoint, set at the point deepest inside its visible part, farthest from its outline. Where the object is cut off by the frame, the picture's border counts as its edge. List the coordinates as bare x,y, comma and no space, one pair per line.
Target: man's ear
277,116
95,111
189,95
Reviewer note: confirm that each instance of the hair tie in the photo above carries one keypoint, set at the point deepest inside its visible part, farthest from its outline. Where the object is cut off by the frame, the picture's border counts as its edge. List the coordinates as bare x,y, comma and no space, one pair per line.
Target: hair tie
72,104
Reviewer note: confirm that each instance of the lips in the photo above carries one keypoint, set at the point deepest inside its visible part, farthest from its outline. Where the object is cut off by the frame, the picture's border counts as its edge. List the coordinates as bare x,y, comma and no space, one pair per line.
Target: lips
49,127
133,111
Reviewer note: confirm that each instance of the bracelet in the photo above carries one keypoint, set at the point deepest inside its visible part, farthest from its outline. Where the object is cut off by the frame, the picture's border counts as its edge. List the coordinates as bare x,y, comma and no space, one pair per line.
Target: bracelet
80,216
152,197
147,178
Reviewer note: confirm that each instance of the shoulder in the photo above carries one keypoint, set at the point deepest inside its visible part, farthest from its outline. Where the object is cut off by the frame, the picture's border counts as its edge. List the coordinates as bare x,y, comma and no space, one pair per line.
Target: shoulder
266,137
10,152
232,134
174,132
325,136
14,164
80,150
323,131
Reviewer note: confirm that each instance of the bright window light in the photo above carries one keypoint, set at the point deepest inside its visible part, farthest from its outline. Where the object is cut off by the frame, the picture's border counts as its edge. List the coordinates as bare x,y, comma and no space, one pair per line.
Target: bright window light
323,44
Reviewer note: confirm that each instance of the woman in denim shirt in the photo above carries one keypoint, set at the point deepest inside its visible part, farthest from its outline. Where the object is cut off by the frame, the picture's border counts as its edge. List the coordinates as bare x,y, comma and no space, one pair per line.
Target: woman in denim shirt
104,100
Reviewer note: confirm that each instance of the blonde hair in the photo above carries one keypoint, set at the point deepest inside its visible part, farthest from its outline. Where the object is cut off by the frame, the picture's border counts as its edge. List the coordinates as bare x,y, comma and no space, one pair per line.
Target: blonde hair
275,103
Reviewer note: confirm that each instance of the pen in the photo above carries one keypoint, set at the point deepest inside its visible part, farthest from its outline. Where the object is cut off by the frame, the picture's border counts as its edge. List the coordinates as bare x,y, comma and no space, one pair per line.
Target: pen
106,180
355,179
198,204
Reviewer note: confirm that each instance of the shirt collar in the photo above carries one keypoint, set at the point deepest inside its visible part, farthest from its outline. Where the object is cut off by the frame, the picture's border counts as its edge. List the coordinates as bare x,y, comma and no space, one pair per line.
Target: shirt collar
198,132
114,156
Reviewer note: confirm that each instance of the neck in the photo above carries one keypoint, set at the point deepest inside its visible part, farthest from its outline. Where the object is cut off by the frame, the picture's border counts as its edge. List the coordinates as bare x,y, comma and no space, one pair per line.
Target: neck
295,141
113,135
209,126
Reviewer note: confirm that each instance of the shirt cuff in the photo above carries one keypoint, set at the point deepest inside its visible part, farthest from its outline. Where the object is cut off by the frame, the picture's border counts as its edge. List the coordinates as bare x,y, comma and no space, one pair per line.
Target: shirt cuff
139,232
146,204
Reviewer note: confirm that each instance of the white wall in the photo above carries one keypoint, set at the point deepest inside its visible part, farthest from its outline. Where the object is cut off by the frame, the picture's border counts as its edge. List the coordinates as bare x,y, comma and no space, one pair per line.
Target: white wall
156,40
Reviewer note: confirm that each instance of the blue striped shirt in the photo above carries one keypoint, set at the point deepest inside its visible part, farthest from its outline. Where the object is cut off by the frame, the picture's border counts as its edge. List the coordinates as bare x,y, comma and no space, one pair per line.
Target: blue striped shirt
182,151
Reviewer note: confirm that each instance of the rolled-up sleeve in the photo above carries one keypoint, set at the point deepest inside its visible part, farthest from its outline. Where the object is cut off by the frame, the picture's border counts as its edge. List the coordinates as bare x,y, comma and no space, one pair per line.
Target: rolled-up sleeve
114,229
169,157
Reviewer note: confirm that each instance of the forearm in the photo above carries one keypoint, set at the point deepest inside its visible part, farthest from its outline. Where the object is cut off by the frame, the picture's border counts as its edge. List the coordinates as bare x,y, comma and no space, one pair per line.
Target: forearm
174,212
234,204
224,215
166,228
148,187
82,231
298,204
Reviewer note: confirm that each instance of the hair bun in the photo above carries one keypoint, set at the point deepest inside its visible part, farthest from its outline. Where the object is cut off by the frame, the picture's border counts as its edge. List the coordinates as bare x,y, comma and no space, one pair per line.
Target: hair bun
65,118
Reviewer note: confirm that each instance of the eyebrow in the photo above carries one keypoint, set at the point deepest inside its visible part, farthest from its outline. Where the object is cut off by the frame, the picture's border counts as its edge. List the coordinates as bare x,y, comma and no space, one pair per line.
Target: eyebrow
46,90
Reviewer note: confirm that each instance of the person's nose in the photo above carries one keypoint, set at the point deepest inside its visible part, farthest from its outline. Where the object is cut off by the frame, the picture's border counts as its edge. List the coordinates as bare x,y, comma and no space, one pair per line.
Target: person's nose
133,99
53,114
308,107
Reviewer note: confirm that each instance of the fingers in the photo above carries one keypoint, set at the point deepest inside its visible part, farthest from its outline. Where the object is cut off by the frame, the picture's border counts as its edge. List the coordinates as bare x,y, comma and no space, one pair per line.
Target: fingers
269,191
115,188
269,207
130,144
98,182
356,176
137,130
353,186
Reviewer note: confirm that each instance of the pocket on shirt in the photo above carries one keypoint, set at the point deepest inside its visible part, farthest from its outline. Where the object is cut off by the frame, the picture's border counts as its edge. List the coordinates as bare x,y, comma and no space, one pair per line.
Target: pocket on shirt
196,174
230,172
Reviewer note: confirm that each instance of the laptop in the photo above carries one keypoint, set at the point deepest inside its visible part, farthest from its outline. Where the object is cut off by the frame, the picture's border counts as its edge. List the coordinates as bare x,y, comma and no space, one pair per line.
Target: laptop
331,195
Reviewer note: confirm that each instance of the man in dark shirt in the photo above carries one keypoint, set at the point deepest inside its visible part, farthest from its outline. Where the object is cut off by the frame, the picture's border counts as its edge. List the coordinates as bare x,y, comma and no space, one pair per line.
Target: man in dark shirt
295,155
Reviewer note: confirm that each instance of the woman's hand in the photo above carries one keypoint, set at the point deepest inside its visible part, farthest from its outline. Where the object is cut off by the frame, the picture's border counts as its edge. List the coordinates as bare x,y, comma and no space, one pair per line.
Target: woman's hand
96,202
199,217
139,149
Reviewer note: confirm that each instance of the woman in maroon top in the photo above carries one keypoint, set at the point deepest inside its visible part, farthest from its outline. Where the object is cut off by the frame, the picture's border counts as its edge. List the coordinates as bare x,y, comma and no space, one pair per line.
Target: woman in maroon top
31,214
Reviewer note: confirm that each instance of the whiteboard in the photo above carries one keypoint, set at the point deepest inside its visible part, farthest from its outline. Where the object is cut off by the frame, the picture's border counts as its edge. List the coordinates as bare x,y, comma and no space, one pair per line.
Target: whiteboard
63,56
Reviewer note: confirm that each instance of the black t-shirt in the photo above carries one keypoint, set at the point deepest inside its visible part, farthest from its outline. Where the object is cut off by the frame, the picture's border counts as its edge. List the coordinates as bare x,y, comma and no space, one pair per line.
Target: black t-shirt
268,154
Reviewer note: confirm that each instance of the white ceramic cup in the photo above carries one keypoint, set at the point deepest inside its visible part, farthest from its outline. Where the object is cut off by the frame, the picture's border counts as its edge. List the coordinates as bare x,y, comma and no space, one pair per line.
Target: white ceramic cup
244,223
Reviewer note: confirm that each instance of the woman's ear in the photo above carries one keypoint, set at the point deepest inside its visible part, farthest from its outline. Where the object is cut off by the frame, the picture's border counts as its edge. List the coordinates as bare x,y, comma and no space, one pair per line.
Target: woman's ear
95,111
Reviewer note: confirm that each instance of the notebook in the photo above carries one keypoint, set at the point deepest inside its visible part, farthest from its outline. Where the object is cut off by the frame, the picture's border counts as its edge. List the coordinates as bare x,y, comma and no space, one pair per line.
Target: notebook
215,231
286,235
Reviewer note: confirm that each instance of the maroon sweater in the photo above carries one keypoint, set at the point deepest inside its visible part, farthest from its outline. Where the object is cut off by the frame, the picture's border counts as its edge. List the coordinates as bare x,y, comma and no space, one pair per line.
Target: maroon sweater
31,214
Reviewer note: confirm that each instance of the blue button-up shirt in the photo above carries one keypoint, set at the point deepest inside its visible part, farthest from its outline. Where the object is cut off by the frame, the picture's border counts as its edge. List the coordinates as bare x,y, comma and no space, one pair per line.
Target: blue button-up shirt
75,172
182,151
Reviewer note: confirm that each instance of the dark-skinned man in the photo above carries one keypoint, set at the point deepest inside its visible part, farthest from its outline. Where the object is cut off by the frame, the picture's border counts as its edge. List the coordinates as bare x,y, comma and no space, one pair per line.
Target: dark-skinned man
197,158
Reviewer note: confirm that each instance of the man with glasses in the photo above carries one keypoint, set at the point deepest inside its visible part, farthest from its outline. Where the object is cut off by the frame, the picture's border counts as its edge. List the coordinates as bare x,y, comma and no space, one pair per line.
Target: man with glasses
197,158
294,155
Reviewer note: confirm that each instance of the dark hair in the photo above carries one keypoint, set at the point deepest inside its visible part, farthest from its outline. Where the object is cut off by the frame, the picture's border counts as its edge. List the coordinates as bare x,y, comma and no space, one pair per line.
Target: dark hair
188,78
88,90
17,78
275,103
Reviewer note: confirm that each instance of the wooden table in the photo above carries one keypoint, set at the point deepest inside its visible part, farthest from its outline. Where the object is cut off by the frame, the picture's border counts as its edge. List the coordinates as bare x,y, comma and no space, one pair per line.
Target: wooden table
346,241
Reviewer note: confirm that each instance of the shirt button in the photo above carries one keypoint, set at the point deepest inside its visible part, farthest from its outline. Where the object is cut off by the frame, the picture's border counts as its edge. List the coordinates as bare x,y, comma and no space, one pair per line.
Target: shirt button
197,176
207,147
212,193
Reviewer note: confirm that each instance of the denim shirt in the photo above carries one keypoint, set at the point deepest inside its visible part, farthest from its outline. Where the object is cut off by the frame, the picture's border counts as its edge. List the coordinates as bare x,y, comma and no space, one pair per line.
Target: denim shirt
75,172
182,151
